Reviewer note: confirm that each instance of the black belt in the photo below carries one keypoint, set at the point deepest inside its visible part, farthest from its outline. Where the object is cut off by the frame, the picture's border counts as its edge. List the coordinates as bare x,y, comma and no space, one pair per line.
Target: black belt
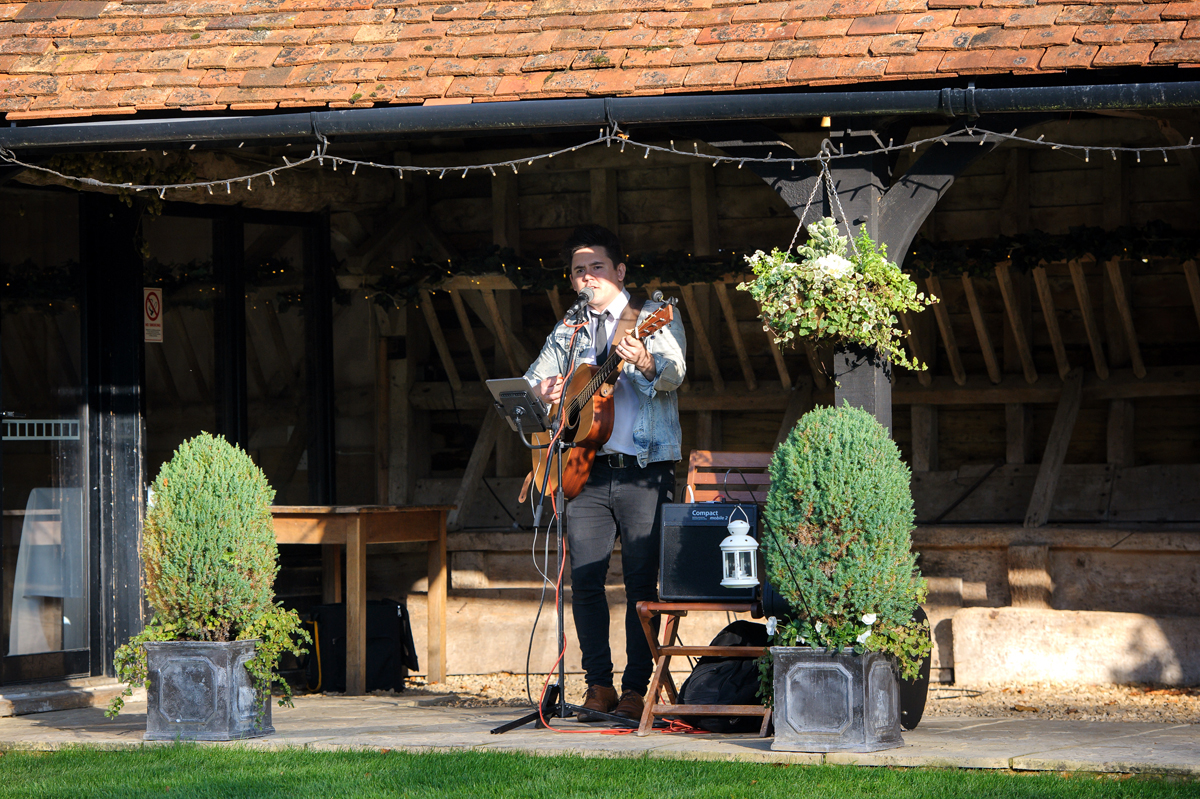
619,460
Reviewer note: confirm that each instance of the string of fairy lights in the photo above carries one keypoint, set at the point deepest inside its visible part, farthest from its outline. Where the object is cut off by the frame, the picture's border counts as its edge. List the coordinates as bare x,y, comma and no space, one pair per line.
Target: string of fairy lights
608,137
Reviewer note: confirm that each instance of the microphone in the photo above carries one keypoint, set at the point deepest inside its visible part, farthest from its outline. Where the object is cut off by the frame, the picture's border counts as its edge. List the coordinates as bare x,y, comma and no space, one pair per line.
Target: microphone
586,295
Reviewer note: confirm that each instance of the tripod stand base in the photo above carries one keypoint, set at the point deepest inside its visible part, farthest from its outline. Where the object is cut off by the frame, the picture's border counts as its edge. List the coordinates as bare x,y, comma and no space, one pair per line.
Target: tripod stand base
553,708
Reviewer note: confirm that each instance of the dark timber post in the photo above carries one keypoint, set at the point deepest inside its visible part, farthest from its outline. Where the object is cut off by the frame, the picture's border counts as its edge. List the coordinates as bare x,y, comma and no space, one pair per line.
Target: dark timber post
114,345
860,376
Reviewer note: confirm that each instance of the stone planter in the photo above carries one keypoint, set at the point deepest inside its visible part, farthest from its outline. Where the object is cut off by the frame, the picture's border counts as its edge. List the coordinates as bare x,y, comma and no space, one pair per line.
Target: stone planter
201,691
834,701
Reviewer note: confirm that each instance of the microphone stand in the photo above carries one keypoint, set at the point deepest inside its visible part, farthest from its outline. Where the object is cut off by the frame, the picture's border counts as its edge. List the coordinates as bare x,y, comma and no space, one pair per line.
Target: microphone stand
554,702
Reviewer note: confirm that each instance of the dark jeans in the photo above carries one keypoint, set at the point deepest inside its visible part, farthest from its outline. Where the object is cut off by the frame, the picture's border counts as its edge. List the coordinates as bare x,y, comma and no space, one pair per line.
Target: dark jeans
623,502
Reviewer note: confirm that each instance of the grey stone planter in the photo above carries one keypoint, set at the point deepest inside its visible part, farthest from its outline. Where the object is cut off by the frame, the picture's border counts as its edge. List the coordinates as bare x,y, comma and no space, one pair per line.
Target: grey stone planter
834,701
201,691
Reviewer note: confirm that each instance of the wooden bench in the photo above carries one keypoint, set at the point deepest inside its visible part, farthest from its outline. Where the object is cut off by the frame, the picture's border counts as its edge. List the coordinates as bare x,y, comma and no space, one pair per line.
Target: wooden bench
731,476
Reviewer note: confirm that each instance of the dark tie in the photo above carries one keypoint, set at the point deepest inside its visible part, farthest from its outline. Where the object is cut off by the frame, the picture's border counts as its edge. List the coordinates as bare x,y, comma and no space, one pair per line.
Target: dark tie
601,338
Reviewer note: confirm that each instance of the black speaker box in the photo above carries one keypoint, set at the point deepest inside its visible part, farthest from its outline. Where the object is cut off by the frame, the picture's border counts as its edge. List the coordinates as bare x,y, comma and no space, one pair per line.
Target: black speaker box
690,560
390,650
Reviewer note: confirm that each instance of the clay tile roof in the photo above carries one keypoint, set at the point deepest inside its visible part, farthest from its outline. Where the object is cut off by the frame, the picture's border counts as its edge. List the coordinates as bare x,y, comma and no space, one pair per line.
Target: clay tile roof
74,58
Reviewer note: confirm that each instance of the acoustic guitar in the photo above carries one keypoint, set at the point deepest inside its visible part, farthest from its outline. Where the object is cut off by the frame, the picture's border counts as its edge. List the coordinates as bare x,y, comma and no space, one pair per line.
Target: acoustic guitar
587,419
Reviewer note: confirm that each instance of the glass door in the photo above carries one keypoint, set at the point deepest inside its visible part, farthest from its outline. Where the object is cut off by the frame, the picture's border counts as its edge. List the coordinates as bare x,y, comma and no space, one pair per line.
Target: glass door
44,551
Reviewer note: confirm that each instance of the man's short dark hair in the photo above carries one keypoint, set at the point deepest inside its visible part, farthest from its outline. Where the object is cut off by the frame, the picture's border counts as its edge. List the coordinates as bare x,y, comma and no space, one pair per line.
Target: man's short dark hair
593,236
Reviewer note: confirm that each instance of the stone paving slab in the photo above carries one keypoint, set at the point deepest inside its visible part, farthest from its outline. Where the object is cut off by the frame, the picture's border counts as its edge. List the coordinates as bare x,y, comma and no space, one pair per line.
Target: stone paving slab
422,724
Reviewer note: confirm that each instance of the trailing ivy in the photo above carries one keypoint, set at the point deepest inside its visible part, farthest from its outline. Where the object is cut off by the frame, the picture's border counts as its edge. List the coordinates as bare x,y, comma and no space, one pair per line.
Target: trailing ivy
133,169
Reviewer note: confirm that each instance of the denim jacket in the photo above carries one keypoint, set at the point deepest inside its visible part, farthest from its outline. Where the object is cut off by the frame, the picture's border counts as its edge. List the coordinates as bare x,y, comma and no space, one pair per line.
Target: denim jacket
656,431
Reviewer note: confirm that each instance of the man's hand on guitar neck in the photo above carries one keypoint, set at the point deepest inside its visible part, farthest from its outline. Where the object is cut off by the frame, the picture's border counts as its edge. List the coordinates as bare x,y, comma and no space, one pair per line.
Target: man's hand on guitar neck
633,351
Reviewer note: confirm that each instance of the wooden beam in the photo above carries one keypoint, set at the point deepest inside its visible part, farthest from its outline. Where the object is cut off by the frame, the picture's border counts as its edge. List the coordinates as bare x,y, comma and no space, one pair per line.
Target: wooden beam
815,362
924,438
701,336
556,303
469,489
1089,317
468,330
1119,440
1014,207
1121,297
1181,381
801,402
439,340
1050,315
514,352
924,376
942,315
732,322
1193,281
1014,319
461,282
1056,450
780,365
1017,430
981,331
604,198
704,209
506,217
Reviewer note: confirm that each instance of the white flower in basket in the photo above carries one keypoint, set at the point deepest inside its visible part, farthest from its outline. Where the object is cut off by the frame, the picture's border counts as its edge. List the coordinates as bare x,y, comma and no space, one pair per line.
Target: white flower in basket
832,291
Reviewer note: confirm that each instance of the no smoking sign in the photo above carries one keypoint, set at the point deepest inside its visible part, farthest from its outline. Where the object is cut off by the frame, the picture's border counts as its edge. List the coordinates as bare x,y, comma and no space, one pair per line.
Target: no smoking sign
152,309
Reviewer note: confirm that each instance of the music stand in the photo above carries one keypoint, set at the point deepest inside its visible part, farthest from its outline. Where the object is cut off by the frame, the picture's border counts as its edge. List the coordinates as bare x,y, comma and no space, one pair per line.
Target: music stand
515,403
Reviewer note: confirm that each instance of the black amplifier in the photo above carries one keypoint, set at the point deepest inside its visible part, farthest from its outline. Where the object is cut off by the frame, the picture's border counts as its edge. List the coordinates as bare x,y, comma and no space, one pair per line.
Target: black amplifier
690,562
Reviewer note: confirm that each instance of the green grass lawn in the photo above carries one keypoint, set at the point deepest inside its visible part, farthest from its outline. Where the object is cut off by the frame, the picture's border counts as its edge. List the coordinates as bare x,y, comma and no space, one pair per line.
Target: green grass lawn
223,773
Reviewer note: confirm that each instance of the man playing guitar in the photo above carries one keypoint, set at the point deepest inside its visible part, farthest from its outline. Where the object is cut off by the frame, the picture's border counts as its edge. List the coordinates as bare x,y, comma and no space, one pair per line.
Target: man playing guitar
634,471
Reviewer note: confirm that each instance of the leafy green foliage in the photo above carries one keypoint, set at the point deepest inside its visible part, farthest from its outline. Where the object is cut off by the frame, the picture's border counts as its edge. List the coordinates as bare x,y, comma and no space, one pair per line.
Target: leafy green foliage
828,296
210,560
841,512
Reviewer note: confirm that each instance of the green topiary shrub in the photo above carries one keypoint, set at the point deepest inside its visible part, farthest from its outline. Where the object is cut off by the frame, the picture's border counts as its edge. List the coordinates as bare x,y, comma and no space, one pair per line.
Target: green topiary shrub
838,549
210,560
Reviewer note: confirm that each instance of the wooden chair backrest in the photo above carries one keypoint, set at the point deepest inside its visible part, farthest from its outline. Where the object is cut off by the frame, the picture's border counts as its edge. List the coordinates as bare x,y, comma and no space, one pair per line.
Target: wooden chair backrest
732,476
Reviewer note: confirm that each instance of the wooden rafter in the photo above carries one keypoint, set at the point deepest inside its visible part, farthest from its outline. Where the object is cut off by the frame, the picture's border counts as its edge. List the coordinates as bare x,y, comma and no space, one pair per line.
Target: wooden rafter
1193,281
780,365
556,303
800,403
468,330
943,322
1004,275
701,336
514,353
1050,315
814,361
439,340
1089,317
287,371
1125,310
924,376
981,331
735,334
469,487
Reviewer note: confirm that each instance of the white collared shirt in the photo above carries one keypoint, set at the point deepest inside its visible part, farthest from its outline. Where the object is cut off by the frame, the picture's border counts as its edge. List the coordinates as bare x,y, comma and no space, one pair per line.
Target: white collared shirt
625,396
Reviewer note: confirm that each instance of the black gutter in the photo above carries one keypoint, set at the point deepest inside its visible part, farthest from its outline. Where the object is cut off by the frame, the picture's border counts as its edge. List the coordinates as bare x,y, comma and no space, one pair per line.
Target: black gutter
583,114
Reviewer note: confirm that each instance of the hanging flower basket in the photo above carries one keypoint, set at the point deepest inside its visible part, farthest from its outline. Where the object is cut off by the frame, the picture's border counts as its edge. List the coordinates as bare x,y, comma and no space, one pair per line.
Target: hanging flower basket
835,290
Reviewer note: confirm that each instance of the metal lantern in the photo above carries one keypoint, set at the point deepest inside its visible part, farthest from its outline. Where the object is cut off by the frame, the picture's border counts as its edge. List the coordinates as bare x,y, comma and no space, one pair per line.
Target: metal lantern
739,561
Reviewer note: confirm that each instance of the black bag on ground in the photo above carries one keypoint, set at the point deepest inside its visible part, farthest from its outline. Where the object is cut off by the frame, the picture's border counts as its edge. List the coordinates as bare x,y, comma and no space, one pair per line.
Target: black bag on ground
390,649
726,680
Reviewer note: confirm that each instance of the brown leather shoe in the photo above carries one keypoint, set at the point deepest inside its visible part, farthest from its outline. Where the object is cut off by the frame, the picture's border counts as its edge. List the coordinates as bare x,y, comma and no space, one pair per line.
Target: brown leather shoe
598,699
630,706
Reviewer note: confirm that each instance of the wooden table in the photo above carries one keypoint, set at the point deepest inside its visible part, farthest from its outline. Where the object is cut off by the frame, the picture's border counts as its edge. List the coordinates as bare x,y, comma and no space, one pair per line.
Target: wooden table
355,526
